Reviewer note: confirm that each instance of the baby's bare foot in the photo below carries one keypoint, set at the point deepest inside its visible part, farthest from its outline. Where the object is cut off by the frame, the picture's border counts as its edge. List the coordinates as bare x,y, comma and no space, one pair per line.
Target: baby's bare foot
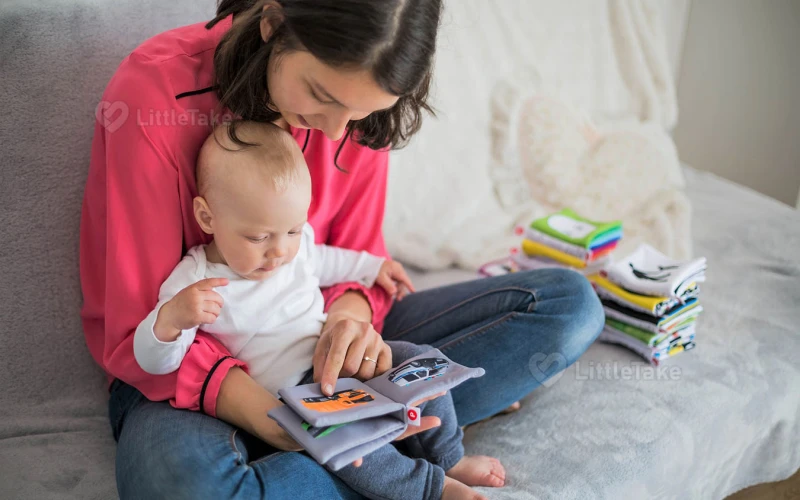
511,409
456,490
478,470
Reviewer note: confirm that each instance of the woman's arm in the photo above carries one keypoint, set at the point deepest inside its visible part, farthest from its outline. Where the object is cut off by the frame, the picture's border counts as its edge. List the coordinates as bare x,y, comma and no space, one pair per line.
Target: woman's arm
244,403
352,304
131,239
349,336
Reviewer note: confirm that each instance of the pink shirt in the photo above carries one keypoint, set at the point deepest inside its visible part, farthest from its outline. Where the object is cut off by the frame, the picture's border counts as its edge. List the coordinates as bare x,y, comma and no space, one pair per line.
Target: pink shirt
137,219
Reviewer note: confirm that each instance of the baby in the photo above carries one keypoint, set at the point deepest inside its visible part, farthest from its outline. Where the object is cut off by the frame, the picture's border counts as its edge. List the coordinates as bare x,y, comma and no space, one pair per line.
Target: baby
256,288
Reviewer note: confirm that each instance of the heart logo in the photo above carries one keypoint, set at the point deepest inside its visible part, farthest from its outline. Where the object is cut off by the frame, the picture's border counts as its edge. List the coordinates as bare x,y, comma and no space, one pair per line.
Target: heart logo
547,368
111,114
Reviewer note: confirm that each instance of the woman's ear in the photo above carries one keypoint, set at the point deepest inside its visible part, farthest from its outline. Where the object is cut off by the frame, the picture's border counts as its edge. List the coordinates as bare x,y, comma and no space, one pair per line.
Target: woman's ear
266,27
203,215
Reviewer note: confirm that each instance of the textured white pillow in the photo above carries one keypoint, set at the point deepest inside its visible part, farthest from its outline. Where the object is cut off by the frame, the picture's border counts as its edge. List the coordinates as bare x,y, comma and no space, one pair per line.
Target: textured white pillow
548,155
607,57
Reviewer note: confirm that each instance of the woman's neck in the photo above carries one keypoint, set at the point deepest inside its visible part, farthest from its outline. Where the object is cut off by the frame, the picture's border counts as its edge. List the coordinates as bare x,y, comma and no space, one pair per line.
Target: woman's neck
282,123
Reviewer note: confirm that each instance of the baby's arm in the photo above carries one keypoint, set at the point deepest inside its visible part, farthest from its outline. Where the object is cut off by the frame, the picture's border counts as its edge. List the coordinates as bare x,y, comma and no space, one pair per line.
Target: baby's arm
162,339
337,265
333,265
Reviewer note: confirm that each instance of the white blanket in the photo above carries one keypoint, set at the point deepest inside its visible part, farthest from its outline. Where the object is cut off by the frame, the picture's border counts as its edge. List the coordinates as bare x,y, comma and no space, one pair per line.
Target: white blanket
716,419
608,58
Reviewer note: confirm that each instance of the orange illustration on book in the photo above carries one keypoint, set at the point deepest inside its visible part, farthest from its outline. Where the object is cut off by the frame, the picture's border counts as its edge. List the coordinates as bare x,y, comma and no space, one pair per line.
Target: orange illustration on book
337,401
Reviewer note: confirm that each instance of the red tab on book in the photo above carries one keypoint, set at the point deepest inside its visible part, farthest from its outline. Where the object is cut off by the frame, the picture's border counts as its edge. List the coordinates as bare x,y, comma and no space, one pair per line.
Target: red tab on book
413,414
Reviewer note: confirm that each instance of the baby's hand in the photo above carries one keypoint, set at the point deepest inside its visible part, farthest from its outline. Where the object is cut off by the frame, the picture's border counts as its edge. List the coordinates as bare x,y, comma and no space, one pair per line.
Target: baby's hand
390,276
195,305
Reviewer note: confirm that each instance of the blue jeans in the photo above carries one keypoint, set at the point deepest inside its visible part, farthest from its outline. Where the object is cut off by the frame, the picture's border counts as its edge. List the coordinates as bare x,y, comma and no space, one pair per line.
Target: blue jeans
521,328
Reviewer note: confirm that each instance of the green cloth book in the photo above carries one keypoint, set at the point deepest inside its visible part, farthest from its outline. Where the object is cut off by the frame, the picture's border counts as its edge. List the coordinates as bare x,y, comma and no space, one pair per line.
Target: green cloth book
570,227
648,338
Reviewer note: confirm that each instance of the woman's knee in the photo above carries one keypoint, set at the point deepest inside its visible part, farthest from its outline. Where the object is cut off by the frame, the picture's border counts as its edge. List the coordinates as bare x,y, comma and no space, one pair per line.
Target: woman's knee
569,299
168,453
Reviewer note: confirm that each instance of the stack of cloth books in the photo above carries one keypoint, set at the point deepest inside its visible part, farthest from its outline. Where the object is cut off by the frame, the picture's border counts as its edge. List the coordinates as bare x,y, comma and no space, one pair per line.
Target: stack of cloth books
651,302
566,239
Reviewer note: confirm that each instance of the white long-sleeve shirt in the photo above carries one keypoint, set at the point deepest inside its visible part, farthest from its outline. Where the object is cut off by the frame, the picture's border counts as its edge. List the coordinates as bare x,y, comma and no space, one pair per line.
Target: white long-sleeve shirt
272,325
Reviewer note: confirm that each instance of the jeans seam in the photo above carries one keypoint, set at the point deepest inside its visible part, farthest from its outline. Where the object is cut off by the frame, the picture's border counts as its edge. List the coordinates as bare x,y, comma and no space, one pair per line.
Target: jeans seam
267,458
463,302
479,331
234,448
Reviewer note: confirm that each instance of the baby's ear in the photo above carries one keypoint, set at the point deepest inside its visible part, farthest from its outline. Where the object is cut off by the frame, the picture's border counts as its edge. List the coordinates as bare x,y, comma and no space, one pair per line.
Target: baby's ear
203,215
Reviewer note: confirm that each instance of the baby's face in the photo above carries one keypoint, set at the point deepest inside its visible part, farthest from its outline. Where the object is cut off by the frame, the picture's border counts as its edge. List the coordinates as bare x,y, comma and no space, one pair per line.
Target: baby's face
260,230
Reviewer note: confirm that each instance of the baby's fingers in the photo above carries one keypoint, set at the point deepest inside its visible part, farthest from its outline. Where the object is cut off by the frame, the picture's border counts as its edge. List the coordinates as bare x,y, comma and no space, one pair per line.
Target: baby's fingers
213,297
211,283
208,318
387,283
399,275
212,308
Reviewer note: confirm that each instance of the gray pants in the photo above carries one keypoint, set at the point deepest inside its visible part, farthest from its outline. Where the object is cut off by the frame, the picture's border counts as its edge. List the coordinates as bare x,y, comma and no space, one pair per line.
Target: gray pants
388,474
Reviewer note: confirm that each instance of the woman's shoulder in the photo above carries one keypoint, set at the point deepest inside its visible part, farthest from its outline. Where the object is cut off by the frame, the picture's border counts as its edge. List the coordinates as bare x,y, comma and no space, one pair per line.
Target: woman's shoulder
166,65
184,41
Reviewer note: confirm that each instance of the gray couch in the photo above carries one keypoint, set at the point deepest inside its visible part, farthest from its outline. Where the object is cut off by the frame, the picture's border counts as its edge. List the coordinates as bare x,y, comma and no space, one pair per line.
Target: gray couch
57,57
728,419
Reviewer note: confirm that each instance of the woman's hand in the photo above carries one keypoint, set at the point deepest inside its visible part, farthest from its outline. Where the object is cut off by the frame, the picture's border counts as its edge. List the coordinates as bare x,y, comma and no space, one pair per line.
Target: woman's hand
348,347
346,336
425,423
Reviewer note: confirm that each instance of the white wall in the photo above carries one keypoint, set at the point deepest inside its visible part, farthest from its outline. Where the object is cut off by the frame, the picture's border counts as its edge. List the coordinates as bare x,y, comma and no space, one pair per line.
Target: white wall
739,93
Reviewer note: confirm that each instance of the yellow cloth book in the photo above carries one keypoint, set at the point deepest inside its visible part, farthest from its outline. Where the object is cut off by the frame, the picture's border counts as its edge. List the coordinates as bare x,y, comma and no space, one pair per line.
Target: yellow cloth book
532,248
645,301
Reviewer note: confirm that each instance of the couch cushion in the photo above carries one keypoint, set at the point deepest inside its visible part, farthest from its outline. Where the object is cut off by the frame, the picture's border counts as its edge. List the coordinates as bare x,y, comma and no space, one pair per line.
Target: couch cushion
58,55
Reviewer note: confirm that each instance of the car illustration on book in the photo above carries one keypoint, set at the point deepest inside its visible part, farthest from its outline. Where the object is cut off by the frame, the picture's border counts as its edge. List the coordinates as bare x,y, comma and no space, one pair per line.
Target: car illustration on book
318,432
337,401
419,370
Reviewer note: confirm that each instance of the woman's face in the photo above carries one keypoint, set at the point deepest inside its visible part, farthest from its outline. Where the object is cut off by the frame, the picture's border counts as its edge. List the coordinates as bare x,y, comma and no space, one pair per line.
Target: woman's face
310,94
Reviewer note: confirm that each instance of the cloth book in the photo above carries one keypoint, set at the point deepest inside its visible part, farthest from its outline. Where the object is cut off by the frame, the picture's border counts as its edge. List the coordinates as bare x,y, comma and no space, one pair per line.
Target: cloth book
649,272
526,262
666,323
498,267
585,254
534,248
570,227
656,306
654,354
360,417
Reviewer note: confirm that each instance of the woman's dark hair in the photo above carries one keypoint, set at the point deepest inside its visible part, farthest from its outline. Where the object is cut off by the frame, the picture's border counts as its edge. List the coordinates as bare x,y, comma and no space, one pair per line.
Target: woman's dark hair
394,39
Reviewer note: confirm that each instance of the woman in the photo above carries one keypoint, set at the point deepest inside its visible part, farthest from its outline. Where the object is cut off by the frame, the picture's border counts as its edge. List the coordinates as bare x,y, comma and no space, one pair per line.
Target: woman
349,79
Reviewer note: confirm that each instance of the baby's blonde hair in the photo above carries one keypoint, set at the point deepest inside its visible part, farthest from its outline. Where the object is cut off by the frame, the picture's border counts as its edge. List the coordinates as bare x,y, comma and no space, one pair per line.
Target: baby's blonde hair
273,156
